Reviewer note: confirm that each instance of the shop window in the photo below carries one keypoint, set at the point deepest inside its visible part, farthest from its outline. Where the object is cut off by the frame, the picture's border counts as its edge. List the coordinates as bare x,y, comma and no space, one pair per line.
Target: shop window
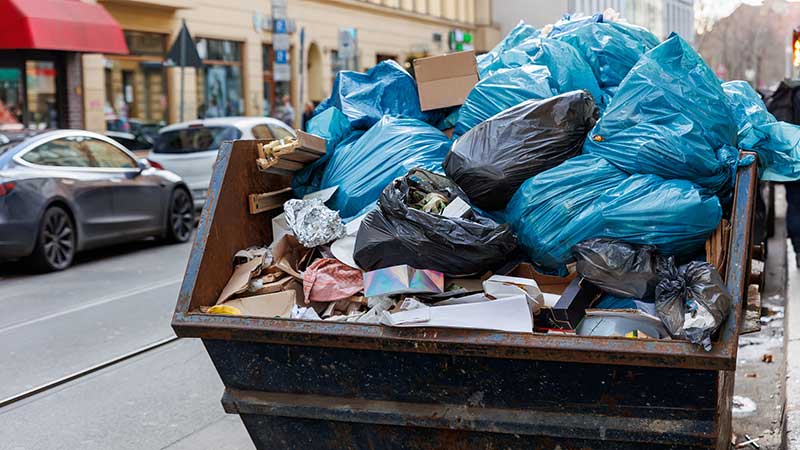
41,94
136,84
10,98
145,44
274,91
219,82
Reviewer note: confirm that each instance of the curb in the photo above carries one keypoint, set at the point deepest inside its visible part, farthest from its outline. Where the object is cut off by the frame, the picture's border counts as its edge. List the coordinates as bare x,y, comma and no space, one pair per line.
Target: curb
791,338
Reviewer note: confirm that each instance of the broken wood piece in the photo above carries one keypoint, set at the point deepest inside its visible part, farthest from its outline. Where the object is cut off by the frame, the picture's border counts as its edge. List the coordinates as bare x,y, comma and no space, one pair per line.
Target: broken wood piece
268,201
290,154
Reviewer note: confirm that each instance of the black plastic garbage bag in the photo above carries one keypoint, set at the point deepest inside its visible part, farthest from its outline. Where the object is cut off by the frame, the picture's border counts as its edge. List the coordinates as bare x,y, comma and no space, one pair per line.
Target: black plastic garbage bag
618,268
693,302
491,161
396,233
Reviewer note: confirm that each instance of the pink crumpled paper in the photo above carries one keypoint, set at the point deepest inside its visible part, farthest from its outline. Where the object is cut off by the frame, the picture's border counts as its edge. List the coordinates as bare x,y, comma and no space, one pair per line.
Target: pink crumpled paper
329,280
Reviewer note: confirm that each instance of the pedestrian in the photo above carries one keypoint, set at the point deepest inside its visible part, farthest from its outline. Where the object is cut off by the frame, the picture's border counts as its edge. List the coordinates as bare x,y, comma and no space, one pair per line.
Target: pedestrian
285,111
793,217
308,113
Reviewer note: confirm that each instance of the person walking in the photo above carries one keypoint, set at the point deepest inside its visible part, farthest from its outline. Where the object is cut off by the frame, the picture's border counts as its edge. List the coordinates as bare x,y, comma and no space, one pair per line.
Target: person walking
793,216
285,112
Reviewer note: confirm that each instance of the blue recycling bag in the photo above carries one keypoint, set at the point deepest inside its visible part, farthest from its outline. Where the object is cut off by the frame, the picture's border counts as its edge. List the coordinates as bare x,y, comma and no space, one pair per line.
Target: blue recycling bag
386,89
670,118
551,212
565,63
332,125
389,149
610,48
587,197
504,89
777,143
674,215
519,33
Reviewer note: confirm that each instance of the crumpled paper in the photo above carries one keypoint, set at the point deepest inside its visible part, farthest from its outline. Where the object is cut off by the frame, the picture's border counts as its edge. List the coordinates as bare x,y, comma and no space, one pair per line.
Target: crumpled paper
329,280
312,222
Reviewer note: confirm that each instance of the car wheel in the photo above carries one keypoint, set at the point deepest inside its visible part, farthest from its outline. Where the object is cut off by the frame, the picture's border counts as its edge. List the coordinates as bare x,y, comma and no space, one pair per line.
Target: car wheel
181,216
55,244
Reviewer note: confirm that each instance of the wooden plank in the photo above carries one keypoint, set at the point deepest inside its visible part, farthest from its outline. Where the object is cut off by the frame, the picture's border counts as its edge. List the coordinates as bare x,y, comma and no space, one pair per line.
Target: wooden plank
271,200
290,154
264,165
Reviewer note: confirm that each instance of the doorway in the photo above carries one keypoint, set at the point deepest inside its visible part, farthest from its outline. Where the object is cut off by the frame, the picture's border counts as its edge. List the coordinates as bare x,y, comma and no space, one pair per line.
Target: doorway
316,74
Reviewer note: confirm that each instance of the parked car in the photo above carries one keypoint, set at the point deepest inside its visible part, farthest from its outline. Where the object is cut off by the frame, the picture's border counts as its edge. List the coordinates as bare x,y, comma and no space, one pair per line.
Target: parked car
139,144
190,148
134,126
69,190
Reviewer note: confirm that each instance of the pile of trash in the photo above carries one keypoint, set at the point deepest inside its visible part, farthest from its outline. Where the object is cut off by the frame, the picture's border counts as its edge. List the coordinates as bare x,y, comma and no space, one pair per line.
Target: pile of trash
565,182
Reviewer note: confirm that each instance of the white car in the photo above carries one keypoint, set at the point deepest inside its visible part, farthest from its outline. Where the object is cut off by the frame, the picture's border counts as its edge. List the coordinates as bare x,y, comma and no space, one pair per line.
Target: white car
190,148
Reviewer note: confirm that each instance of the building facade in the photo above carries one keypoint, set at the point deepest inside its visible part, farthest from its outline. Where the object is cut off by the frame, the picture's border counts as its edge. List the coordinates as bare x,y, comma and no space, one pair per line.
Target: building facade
244,68
660,16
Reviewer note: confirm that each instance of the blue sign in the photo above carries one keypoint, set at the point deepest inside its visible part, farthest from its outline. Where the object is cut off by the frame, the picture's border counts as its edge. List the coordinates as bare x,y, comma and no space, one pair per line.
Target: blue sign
281,57
279,27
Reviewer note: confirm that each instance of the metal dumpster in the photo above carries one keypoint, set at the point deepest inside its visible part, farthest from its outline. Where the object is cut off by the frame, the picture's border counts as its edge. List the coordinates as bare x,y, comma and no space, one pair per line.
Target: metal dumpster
329,385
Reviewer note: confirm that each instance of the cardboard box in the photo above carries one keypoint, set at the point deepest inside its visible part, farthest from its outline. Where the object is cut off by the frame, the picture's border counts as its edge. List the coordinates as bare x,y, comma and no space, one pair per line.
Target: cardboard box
501,286
445,80
570,308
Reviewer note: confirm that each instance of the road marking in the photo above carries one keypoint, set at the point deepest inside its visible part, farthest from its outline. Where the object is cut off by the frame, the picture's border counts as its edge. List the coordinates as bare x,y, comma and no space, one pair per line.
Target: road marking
91,305
97,367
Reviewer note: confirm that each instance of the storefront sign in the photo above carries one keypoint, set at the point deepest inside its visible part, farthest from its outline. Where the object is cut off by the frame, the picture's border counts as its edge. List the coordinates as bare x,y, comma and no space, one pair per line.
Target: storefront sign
280,42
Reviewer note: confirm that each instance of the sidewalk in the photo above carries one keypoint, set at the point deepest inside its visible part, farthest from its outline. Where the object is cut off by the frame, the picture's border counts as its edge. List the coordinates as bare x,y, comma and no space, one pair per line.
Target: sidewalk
759,389
792,419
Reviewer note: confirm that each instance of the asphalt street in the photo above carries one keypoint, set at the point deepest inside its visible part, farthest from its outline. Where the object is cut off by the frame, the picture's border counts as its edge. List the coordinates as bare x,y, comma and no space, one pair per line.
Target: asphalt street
112,302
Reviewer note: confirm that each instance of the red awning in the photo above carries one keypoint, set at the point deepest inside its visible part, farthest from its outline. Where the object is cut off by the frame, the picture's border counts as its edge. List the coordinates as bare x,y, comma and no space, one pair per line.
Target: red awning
68,25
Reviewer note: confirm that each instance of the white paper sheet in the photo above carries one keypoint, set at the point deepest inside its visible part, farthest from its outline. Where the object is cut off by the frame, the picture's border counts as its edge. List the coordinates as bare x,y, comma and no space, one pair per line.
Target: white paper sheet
499,286
510,314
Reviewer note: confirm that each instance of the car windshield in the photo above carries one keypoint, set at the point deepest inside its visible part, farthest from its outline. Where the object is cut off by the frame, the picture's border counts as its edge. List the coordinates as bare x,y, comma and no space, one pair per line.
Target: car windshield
196,139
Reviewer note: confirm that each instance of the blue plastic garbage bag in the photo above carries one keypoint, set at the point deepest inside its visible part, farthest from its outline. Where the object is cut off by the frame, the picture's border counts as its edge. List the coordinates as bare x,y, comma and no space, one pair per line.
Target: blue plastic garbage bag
587,197
551,212
568,22
504,89
519,33
610,48
777,143
388,150
670,118
386,89
565,63
674,215
334,127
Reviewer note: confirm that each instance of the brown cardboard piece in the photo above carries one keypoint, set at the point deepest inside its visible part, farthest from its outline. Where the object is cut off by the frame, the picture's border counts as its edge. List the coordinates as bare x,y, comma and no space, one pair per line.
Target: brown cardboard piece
291,257
278,304
547,283
240,278
445,80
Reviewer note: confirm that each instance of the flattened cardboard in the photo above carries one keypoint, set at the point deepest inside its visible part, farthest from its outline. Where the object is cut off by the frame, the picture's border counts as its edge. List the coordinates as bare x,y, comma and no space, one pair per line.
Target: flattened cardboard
289,256
240,278
275,286
547,283
278,304
445,80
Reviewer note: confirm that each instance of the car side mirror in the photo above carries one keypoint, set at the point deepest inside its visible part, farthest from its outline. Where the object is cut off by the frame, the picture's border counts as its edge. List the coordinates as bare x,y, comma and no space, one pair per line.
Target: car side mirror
143,164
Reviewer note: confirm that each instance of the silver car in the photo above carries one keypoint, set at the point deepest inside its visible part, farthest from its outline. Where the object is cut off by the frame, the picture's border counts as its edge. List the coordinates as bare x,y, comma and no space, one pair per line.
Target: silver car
190,148
69,190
